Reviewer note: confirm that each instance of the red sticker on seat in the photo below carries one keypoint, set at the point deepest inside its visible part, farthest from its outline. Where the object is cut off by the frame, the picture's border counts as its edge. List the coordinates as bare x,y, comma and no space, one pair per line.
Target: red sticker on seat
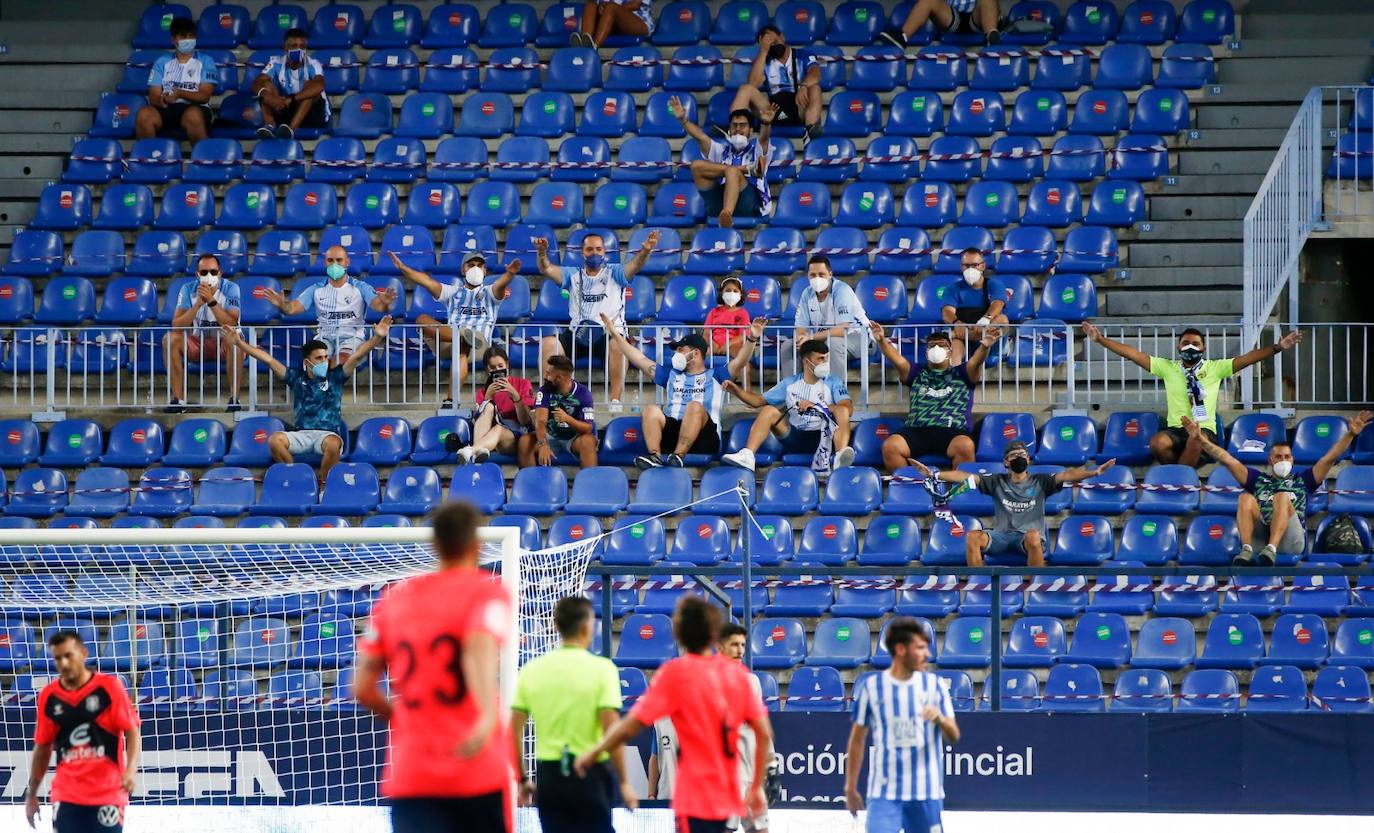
1169,638
704,531
882,431
1042,640
13,437
856,106
753,296
1009,431
679,201
1086,529
1214,532
646,631
488,108
556,203
609,107
830,531
576,531
1303,636
436,197
1132,427
65,200
1052,196
1099,107
385,431
1146,18
1262,429
805,198
138,436
365,105
778,633
192,198
260,436
880,294
631,435
976,106
130,295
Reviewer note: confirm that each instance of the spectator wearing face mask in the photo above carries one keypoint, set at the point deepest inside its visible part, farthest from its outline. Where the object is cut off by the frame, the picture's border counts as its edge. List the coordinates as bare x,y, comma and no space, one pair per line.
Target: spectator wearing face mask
471,303
1273,507
317,393
179,88
728,322
339,303
733,176
787,77
595,288
1191,386
828,309
939,419
202,308
809,412
564,419
503,411
690,422
973,303
1019,499
291,89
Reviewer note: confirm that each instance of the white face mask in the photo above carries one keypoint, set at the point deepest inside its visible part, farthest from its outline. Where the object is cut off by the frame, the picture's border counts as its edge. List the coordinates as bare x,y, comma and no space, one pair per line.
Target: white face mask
972,275
821,370
474,276
738,142
819,285
211,281
936,355
679,362
730,298
1283,468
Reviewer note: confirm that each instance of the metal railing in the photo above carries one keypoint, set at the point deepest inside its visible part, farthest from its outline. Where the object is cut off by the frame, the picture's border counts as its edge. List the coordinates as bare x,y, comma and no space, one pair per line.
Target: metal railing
1348,121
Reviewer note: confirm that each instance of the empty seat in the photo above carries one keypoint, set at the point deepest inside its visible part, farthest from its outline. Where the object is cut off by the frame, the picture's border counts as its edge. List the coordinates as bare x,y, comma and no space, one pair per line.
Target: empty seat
1149,22
288,489
486,115
939,69
1165,643
662,490
967,643
1209,690
1277,689
817,689
1039,113
1072,687
1234,640
350,489
1102,640
646,641
777,643
63,207
99,493
1034,642
364,116
482,485
856,490
1342,688
163,493
225,491
1206,21
135,443
840,642
1062,70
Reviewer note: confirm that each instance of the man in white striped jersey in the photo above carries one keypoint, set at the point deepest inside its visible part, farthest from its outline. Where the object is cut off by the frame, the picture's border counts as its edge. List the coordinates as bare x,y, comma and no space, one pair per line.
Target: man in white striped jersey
340,305
471,305
903,707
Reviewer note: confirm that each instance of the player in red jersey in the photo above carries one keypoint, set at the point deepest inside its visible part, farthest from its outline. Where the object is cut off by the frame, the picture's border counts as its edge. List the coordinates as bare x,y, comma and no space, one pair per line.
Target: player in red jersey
89,719
708,697
438,637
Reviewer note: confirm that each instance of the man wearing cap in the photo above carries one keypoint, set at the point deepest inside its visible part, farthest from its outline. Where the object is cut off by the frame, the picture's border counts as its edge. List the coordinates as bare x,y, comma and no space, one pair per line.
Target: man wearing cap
694,393
1019,498
471,305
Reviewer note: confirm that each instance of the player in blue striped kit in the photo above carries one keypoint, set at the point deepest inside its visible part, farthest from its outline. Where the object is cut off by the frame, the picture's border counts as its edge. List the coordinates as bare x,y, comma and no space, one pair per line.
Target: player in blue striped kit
908,711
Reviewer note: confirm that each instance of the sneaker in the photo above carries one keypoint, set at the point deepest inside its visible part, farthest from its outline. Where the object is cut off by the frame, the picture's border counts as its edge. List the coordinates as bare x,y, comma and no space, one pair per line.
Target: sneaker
575,39
994,37
616,407
649,461
233,407
284,131
480,456
176,406
674,461
813,131
1245,558
844,458
465,455
1267,556
446,405
266,132
891,37
744,458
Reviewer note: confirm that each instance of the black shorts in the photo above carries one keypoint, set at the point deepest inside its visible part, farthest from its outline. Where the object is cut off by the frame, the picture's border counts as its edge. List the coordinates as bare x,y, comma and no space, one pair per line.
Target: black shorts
788,114
746,206
707,442
588,340
969,315
88,818
1179,438
687,824
929,440
470,814
964,23
172,113
569,804
313,119
800,442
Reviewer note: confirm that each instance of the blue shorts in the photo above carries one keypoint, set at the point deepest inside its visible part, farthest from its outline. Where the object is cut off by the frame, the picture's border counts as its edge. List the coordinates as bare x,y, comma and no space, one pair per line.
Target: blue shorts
1006,543
888,816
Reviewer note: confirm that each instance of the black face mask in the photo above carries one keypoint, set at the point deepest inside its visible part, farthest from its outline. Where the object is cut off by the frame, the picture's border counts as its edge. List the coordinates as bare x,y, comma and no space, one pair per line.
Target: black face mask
1191,355
1018,464
776,51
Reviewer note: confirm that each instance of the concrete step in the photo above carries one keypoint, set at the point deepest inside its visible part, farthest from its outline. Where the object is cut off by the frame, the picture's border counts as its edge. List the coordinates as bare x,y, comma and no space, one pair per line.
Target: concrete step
39,77
1152,277
52,99
1324,24
1244,138
1214,184
40,167
1277,91
1174,255
30,52
1252,115
1177,301
1228,162
1285,47
1189,230
21,189
1194,207
1337,69
29,122
31,145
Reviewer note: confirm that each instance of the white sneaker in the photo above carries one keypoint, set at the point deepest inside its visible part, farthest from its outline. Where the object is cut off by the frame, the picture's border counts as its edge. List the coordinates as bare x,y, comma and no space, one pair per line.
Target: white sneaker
844,458
616,407
744,458
465,456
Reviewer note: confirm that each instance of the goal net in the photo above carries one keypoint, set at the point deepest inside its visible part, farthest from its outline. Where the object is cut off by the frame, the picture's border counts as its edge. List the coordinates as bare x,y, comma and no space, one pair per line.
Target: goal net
237,646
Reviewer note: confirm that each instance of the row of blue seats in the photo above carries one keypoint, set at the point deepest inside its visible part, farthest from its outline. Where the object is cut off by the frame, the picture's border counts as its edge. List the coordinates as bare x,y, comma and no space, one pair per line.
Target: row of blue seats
163,690
703,68
610,114
1062,596
400,25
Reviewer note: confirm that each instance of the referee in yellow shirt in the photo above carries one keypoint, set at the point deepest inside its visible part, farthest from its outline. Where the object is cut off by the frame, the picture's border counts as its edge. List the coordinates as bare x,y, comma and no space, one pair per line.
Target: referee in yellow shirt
572,696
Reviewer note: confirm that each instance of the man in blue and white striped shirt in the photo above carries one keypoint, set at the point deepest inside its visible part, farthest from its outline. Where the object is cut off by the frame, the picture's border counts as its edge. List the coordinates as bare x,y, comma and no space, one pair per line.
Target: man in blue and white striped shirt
903,708
732,175
963,17
291,89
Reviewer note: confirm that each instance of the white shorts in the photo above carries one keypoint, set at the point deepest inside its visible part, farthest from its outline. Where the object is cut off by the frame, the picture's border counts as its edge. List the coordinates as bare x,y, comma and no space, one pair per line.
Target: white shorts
338,344
478,340
307,442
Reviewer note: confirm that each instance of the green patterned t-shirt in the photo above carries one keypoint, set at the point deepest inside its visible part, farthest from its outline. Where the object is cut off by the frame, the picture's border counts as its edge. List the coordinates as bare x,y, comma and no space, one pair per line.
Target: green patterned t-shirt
940,398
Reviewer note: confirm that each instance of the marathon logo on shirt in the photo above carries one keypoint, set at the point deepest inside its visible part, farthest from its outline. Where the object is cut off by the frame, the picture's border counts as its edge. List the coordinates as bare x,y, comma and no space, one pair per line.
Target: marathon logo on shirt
1018,506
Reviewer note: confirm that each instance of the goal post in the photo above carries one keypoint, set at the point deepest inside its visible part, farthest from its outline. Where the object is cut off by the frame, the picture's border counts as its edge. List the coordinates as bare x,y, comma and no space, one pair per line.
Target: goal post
237,646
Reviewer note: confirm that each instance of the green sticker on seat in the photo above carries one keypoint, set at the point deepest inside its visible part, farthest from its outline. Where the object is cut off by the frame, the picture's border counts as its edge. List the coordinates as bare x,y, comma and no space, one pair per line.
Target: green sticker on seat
549,106
1149,528
493,203
398,24
1365,637
861,14
427,109
1042,104
1103,632
1067,295
1094,16
745,13
1166,104
327,630
564,293
769,531
992,199
284,21
690,293
1209,15
842,633
166,22
252,199
1118,195
200,435
918,103
1066,433
940,293
893,531
68,293
621,203
514,20
130,199
637,531
202,633
74,441
372,203
866,203
1235,637
1323,429
444,433
975,635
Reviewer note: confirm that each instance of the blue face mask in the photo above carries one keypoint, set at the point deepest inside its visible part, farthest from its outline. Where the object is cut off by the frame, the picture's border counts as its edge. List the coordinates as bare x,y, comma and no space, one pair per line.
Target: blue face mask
335,271
295,56
594,262
186,46
319,371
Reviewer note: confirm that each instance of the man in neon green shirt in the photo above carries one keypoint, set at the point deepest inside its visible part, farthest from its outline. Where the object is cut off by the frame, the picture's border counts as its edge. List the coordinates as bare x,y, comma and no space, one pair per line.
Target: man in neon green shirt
1191,385
573,697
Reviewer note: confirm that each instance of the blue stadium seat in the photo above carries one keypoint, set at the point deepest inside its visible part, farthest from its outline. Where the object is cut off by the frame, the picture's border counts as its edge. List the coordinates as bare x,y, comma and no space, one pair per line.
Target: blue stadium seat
100,492
1042,12
777,251
1071,298
683,22
1149,22
434,205
425,116
713,251
990,205
1067,441
1186,67
863,602
63,207
350,489
1354,643
883,298
308,206
451,25
220,26
1071,70
492,203
72,443
17,647
817,689
1001,428
459,159
738,22
1020,692
1143,690
1086,539
1077,159
976,113
248,446
636,541
539,491
620,205
967,643
1035,642
125,207
364,115
134,443
1123,66
906,495
770,540
662,490
288,489
830,159
1187,596
1166,643
635,69
632,685
847,249
1002,69
131,645
393,25
828,540
411,490
802,599
1314,436
1206,21
855,113
1212,540
1263,596
1280,688
1212,690
1127,437
1360,477
1221,503
1320,595
1140,157
621,441
21,443
866,205
225,492
247,207
530,538
1100,113
694,77
939,69
566,529
1168,503
1117,593
1026,249
391,72
915,113
95,254
508,24
840,642
680,205
573,69
953,159
155,24
608,113
272,24
33,253
260,642
430,436
1234,640
450,71
276,161
1089,249
337,159
878,68
371,205
900,148
1102,640
546,115
483,485
215,162
342,72
856,490
646,641
556,204
1089,23
512,70
659,121
114,116
1251,435
382,441
1062,596
771,450
1298,639
777,643
1073,687
1342,688
855,23
929,205
1015,159
327,641
868,440
1039,113
700,539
